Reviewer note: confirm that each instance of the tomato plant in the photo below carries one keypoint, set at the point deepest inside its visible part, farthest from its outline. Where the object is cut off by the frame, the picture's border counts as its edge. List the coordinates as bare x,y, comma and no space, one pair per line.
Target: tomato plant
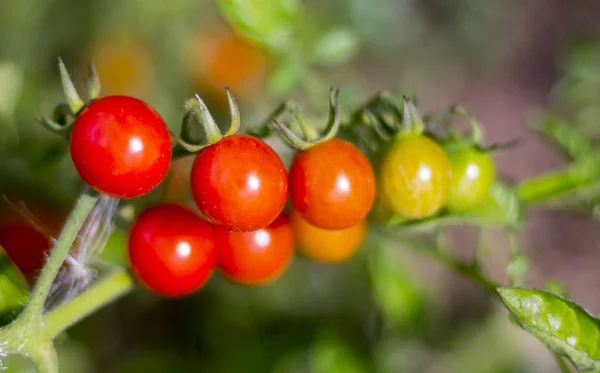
239,183
26,246
256,257
172,250
332,184
328,245
414,177
473,173
120,146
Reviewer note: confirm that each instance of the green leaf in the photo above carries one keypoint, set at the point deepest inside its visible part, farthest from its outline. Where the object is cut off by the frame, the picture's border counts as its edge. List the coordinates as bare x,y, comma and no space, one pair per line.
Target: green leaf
11,87
502,207
396,294
269,23
569,138
557,184
565,327
13,289
332,354
335,47
285,78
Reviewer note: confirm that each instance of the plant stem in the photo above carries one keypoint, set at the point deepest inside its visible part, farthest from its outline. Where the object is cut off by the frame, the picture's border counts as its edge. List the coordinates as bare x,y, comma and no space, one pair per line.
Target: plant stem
107,290
35,304
564,368
45,358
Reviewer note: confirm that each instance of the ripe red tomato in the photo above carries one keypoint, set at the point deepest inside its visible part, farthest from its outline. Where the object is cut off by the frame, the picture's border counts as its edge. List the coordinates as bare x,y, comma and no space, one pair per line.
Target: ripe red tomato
239,183
121,146
258,257
332,184
25,246
326,245
172,250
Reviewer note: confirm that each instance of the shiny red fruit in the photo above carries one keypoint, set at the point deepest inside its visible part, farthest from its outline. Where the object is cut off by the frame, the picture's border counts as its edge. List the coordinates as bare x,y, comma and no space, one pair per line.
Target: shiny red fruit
239,183
172,250
258,257
25,246
121,146
332,184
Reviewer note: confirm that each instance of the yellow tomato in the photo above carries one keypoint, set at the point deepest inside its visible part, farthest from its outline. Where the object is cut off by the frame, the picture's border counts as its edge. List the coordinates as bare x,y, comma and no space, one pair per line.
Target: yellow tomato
328,245
415,176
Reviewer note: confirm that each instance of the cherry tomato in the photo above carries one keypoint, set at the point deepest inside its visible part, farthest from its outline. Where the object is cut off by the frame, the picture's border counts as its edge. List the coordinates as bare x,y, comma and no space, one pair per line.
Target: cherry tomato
124,65
239,183
220,57
332,184
415,176
258,257
172,250
25,246
328,245
120,146
473,174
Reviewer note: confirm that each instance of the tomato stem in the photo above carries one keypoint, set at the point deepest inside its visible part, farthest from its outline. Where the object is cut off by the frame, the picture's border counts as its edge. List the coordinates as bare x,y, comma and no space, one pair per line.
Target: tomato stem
93,83
476,137
35,305
195,107
75,102
412,120
311,137
107,290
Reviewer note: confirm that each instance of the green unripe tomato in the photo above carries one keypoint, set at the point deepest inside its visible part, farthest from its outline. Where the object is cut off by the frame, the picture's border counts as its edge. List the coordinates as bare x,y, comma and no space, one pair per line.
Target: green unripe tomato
414,177
473,173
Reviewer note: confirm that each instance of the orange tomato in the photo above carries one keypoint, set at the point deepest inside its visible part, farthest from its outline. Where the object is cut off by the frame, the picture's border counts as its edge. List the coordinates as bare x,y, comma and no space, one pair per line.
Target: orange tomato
328,245
219,57
124,65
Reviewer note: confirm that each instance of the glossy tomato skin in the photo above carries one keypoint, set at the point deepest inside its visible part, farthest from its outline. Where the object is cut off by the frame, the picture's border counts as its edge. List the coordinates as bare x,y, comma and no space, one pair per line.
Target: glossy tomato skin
326,245
26,246
257,257
415,177
120,146
332,184
172,250
239,183
473,173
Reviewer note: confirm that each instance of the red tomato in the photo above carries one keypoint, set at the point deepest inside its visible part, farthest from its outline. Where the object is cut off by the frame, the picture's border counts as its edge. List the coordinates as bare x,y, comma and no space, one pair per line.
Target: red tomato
121,146
257,257
332,184
239,183
25,246
172,250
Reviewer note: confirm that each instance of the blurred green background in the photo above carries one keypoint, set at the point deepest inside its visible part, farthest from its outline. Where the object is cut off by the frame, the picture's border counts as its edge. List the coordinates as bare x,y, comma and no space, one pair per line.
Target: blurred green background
386,310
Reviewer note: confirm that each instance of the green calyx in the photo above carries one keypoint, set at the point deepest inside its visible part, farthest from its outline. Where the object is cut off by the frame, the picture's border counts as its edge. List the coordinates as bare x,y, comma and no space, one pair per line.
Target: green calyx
310,135
196,108
65,113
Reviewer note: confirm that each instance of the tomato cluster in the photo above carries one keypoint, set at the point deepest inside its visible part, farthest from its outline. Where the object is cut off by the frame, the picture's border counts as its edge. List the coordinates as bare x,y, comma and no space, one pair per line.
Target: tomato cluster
122,147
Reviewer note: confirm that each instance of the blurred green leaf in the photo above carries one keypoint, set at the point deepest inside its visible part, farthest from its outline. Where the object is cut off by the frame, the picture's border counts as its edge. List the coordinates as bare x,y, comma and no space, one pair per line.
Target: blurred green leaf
502,207
11,86
555,287
115,250
517,266
560,183
335,47
285,78
13,287
269,23
396,294
332,354
565,327
569,138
